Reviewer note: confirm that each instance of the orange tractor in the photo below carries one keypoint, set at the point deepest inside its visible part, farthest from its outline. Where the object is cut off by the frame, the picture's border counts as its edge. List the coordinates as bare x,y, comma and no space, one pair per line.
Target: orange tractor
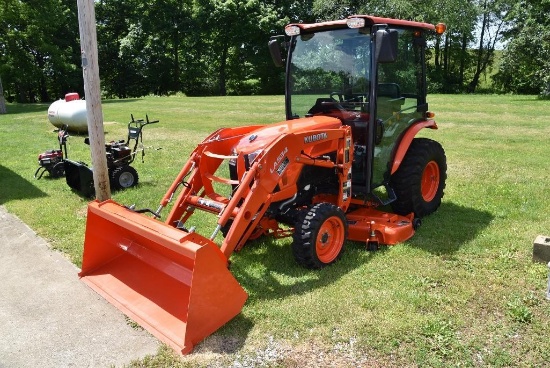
355,100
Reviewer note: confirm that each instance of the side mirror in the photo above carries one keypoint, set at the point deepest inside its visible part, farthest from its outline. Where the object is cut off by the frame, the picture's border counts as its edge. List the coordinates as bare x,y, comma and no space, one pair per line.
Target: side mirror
275,51
386,45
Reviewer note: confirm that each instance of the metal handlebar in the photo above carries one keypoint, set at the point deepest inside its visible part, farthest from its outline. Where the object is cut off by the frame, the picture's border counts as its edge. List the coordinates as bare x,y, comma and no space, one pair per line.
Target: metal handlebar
140,122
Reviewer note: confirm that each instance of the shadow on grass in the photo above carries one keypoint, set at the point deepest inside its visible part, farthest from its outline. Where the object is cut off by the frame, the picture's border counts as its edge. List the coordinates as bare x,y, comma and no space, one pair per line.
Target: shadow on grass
267,270
124,100
13,109
82,184
451,227
14,187
229,339
532,99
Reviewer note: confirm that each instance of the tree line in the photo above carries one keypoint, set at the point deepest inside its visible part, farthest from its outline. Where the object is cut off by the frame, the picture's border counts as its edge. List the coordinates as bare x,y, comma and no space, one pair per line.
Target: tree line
218,47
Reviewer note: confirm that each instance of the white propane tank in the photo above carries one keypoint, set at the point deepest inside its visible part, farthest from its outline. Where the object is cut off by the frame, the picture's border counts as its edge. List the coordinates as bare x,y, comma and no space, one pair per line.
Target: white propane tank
70,111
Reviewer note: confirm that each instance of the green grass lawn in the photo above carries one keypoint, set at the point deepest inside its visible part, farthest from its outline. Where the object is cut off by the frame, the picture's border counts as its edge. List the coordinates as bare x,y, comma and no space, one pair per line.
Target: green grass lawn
462,292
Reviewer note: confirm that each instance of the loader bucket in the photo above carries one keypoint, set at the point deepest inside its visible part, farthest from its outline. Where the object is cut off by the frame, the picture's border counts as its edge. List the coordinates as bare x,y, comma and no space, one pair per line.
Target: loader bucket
173,283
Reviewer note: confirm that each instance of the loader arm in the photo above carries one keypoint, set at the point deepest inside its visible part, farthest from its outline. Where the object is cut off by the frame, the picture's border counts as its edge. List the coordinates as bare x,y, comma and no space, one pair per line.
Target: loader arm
271,178
189,177
268,182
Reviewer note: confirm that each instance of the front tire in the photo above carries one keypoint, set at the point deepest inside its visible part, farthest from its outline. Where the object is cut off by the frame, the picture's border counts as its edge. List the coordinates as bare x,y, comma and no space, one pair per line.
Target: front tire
124,177
420,180
319,235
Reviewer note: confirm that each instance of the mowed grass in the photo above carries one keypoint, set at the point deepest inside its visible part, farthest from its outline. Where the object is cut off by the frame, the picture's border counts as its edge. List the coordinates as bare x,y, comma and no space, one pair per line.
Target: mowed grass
462,292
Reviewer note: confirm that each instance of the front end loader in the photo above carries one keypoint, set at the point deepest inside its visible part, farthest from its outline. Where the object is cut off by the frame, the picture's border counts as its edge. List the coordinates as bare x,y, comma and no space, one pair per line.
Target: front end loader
355,100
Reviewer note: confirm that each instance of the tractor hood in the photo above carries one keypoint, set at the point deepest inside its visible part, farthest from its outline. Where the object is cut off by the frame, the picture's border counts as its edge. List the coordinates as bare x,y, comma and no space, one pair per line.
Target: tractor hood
262,137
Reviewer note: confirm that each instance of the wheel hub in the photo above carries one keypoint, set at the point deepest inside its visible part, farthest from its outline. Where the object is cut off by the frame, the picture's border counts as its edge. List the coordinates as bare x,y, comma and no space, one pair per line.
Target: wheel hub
126,180
324,239
330,239
430,181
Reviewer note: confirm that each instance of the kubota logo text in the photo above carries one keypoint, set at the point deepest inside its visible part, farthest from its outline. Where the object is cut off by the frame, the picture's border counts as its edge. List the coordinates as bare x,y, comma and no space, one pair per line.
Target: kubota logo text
315,137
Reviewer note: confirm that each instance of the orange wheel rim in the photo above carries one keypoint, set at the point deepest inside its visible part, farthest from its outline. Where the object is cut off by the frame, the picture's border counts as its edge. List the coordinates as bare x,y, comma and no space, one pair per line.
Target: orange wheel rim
330,239
430,181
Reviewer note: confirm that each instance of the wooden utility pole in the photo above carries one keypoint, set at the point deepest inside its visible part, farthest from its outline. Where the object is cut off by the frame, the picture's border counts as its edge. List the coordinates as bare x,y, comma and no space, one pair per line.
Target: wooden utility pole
90,71
2,99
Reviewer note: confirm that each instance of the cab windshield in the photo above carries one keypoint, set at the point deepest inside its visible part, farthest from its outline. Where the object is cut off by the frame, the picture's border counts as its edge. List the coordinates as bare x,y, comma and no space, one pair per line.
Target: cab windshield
330,75
330,65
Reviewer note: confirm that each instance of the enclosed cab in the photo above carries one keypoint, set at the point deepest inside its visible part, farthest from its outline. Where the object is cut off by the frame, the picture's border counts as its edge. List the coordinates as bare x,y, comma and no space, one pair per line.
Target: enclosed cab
369,73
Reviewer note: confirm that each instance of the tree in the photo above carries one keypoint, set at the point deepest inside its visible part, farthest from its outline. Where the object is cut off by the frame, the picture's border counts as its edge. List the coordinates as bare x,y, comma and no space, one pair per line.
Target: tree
237,34
144,44
493,14
211,47
39,57
2,99
119,49
334,9
525,66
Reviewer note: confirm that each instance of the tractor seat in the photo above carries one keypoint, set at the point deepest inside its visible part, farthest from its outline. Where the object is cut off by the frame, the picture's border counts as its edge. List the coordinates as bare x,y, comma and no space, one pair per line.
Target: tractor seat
324,105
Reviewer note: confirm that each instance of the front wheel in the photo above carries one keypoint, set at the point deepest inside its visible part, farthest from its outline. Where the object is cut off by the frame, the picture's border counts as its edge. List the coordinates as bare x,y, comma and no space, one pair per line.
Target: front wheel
420,180
319,235
124,177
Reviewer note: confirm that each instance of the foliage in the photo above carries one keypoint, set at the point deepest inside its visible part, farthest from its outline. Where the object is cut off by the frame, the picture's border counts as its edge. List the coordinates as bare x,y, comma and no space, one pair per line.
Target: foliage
519,311
457,62
218,47
525,66
38,56
2,99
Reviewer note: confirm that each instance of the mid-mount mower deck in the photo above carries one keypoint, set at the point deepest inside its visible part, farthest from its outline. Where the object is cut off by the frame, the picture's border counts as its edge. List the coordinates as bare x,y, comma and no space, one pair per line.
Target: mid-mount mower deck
355,100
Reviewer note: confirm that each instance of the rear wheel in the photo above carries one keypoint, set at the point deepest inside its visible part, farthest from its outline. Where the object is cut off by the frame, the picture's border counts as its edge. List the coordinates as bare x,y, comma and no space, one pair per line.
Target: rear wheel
124,177
319,235
420,180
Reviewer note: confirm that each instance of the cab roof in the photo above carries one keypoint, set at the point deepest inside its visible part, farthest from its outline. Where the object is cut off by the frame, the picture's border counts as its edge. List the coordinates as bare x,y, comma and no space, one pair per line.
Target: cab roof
369,21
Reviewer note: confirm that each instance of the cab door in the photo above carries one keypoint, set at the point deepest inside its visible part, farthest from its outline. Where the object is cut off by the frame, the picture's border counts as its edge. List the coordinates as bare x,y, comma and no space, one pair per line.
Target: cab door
400,101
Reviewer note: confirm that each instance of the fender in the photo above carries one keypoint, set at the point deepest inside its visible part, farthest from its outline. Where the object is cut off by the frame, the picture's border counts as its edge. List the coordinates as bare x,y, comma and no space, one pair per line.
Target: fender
406,141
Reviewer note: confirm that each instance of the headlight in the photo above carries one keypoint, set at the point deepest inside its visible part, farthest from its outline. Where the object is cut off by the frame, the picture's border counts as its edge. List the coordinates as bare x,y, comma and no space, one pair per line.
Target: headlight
249,159
292,30
233,161
355,22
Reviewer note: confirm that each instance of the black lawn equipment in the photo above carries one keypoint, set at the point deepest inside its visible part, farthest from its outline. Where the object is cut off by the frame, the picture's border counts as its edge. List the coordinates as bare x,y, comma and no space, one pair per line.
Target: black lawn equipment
119,157
53,161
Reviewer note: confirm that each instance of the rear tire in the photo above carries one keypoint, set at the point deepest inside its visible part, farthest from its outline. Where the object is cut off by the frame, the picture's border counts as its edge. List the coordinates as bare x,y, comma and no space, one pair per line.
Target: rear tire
420,180
319,235
124,177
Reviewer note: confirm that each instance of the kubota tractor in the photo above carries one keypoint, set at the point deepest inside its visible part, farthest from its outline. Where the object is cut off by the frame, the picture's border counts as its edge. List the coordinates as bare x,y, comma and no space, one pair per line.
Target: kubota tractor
355,101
